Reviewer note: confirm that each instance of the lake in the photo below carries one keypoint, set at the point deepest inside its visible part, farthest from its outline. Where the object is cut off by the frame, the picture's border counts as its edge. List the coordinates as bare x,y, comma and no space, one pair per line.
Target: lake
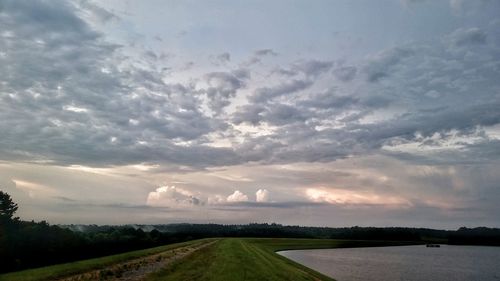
415,263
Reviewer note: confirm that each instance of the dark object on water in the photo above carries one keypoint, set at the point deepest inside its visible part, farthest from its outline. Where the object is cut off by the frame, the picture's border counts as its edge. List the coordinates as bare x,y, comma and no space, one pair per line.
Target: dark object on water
433,245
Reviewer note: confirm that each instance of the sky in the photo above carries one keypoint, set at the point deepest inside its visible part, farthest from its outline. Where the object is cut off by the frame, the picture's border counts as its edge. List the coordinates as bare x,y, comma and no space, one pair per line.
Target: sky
322,113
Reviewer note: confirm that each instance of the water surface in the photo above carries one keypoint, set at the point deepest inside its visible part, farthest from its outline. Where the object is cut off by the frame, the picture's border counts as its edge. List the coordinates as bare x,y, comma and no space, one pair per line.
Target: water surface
415,263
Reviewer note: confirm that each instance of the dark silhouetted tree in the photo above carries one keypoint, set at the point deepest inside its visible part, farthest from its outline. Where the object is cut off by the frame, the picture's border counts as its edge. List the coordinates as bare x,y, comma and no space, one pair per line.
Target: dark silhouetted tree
7,207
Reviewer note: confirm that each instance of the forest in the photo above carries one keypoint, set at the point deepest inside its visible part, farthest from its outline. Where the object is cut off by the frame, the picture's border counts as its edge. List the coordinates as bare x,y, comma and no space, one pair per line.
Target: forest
29,244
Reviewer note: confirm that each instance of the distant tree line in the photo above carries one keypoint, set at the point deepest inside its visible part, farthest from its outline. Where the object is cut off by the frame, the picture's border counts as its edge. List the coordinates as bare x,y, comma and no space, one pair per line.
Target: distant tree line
31,244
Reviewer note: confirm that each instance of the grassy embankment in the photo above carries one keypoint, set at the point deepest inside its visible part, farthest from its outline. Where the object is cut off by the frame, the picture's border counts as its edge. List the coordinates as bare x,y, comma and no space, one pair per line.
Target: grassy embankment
252,259
227,259
61,270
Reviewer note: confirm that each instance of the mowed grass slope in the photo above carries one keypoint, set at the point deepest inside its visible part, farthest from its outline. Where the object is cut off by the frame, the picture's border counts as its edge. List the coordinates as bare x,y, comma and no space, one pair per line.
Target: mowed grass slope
236,259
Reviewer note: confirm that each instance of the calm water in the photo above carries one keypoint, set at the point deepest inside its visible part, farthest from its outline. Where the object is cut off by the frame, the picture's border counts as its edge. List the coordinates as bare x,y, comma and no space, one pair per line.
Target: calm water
416,263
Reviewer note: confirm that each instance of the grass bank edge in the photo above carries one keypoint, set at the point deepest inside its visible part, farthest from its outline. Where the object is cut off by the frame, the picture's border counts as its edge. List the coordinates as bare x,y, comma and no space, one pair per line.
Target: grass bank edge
66,269
288,244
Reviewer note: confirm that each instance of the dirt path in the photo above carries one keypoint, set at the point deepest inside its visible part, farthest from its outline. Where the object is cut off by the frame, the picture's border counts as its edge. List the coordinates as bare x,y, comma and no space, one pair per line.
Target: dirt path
136,269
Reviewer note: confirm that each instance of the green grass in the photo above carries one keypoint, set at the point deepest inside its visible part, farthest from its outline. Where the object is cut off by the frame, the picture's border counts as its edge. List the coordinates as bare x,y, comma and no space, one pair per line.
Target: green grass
252,259
61,270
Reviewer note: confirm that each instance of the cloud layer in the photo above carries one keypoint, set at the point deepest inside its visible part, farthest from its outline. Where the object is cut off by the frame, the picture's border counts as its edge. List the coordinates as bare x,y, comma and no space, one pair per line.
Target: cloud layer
86,87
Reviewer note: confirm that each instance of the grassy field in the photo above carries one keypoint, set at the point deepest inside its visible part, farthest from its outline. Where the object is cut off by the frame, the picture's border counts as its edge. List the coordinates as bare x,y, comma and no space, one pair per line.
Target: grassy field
60,270
252,259
226,259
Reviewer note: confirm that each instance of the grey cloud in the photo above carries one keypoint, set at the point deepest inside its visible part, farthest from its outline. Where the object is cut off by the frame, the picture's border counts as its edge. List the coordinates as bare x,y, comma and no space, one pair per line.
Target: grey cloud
265,52
345,73
483,152
271,205
308,68
221,59
249,113
285,72
381,64
95,11
126,116
224,57
329,99
469,101
65,199
274,114
461,36
413,1
222,87
286,88
312,67
258,55
281,114
55,16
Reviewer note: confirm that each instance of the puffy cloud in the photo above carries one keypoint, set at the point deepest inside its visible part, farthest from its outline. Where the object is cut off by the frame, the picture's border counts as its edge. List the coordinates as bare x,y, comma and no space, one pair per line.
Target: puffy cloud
171,196
262,195
237,196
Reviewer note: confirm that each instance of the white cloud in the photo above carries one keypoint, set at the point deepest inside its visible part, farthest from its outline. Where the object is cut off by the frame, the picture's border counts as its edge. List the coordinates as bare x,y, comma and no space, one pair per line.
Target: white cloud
216,199
237,196
33,189
341,196
262,195
165,196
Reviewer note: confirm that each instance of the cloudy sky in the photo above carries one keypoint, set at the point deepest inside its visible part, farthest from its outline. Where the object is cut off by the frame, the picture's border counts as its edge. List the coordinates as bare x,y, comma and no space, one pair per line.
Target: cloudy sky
332,113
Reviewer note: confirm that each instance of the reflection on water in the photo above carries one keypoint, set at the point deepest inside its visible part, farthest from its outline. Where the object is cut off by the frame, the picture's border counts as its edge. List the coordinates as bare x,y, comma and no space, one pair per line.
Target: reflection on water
414,263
